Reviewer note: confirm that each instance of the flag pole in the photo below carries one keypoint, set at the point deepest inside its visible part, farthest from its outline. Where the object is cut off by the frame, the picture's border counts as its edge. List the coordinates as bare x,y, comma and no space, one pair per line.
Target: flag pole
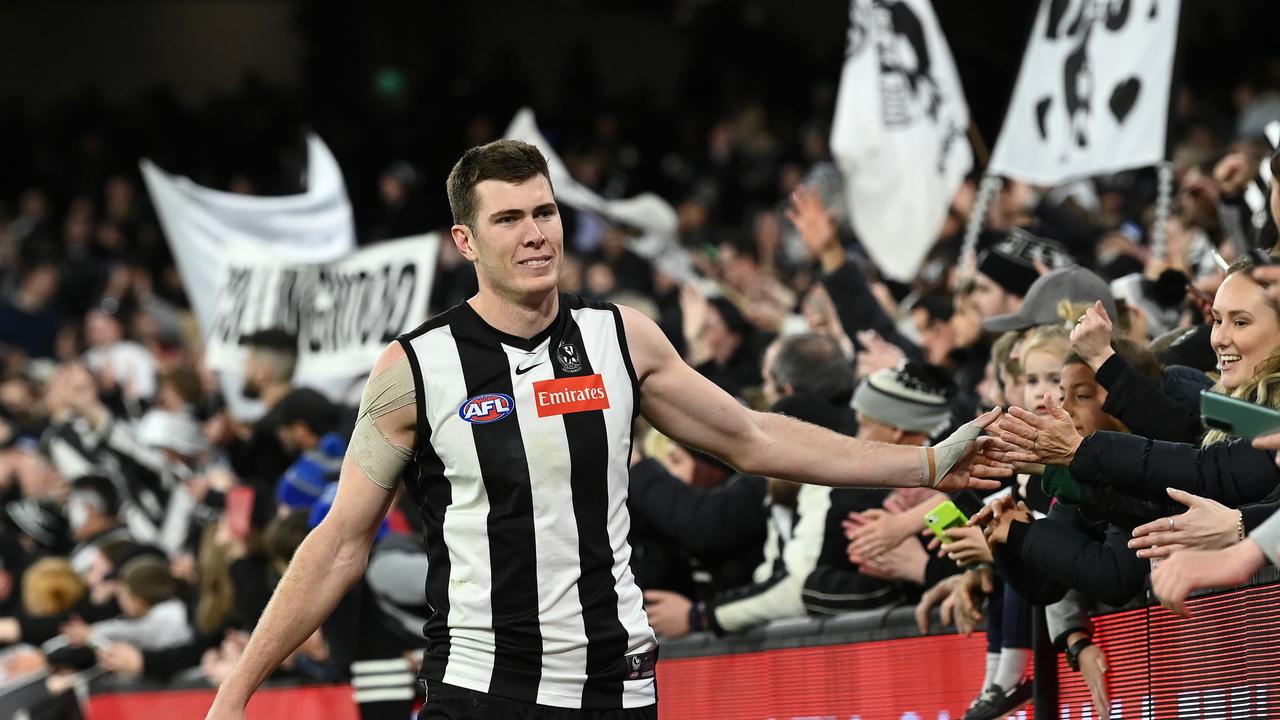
980,153
1164,204
987,189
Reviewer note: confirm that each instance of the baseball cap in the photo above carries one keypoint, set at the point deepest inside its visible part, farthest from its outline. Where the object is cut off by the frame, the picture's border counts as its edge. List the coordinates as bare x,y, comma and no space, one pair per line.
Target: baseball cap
1040,306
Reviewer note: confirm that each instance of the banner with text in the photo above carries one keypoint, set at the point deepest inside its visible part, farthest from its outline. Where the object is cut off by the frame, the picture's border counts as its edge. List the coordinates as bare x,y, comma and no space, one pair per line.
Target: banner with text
344,312
203,224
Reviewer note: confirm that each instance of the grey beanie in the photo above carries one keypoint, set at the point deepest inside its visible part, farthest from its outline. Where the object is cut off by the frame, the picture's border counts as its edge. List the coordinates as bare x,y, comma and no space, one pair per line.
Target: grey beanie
898,398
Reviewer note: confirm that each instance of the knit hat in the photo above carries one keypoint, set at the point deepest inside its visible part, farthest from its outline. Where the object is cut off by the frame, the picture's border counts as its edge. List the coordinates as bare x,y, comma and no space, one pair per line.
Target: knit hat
304,482
911,397
1013,274
1011,261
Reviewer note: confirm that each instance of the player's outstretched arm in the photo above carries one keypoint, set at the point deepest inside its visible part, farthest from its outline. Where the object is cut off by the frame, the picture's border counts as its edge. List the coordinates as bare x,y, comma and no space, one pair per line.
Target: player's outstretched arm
334,555
694,411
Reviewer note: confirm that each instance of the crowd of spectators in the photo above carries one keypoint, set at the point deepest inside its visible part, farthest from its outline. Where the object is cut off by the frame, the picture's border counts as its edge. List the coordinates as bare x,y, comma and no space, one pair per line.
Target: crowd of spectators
142,527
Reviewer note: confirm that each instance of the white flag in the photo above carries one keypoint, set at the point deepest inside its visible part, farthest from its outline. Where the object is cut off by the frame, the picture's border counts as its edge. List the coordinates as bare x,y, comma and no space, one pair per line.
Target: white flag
202,225
344,312
1092,95
654,217
899,131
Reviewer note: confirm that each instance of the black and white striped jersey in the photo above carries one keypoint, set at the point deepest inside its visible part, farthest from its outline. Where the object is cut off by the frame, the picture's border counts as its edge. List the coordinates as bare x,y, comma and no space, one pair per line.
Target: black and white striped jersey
520,475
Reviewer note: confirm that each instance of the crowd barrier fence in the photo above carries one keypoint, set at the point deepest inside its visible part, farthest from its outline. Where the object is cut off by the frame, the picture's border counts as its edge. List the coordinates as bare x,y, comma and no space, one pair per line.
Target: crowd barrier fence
1222,662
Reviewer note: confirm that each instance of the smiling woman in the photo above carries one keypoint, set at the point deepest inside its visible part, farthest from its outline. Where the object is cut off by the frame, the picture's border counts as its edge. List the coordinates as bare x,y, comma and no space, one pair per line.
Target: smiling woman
1246,339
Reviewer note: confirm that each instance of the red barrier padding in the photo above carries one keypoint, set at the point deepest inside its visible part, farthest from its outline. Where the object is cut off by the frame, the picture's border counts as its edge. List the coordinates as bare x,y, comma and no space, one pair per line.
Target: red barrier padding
331,702
920,678
1222,662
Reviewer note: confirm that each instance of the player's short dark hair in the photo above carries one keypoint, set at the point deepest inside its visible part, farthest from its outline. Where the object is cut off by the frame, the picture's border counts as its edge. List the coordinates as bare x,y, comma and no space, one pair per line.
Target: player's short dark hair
510,161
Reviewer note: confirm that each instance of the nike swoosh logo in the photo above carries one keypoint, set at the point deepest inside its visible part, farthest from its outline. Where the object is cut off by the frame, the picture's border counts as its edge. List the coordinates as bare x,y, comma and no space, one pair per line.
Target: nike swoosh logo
523,370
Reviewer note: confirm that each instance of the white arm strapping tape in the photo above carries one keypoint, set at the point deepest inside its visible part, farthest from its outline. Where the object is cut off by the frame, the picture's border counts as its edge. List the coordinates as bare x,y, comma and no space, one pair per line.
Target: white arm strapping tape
372,451
937,461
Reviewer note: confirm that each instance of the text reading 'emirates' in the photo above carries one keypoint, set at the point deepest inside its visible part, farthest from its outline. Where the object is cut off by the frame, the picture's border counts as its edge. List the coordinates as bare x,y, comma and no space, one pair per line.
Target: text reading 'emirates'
570,395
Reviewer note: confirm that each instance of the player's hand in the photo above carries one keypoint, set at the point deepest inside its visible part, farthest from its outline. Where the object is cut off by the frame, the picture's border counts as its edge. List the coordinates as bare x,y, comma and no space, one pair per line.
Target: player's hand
989,462
958,477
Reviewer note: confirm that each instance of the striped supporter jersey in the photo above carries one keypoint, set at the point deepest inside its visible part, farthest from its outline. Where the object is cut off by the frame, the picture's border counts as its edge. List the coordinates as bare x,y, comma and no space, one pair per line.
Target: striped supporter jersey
520,475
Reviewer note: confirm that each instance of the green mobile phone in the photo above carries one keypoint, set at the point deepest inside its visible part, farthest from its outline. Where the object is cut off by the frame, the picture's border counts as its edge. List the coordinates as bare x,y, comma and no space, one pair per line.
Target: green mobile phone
943,518
1237,417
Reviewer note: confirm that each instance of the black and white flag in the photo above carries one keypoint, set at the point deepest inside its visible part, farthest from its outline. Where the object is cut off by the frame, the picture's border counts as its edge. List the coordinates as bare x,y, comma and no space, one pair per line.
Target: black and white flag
1092,95
343,312
899,131
207,227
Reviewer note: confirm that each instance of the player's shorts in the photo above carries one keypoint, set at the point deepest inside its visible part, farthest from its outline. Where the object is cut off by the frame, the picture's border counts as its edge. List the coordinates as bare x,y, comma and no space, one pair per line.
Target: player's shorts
448,702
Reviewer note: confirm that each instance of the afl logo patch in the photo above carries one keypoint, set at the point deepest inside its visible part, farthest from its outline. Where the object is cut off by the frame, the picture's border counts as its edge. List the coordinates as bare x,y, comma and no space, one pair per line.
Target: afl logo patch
487,408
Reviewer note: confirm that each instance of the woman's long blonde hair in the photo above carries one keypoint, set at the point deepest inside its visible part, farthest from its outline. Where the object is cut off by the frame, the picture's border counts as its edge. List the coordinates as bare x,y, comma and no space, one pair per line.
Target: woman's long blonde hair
217,599
1263,386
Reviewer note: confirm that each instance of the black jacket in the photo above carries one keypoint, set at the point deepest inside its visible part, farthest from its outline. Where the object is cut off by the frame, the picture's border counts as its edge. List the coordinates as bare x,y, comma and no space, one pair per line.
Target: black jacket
1044,559
1145,407
835,585
1233,473
723,528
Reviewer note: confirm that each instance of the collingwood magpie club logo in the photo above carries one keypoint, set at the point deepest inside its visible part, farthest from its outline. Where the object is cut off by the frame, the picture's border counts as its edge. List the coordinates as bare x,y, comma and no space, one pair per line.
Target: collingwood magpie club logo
567,357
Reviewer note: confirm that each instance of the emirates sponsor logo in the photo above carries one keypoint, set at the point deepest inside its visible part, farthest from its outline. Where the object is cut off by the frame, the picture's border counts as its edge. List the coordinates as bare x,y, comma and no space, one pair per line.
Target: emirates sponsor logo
570,395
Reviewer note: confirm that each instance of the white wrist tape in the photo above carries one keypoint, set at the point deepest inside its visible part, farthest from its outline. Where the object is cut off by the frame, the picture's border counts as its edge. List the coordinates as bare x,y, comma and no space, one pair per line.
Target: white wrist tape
937,461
